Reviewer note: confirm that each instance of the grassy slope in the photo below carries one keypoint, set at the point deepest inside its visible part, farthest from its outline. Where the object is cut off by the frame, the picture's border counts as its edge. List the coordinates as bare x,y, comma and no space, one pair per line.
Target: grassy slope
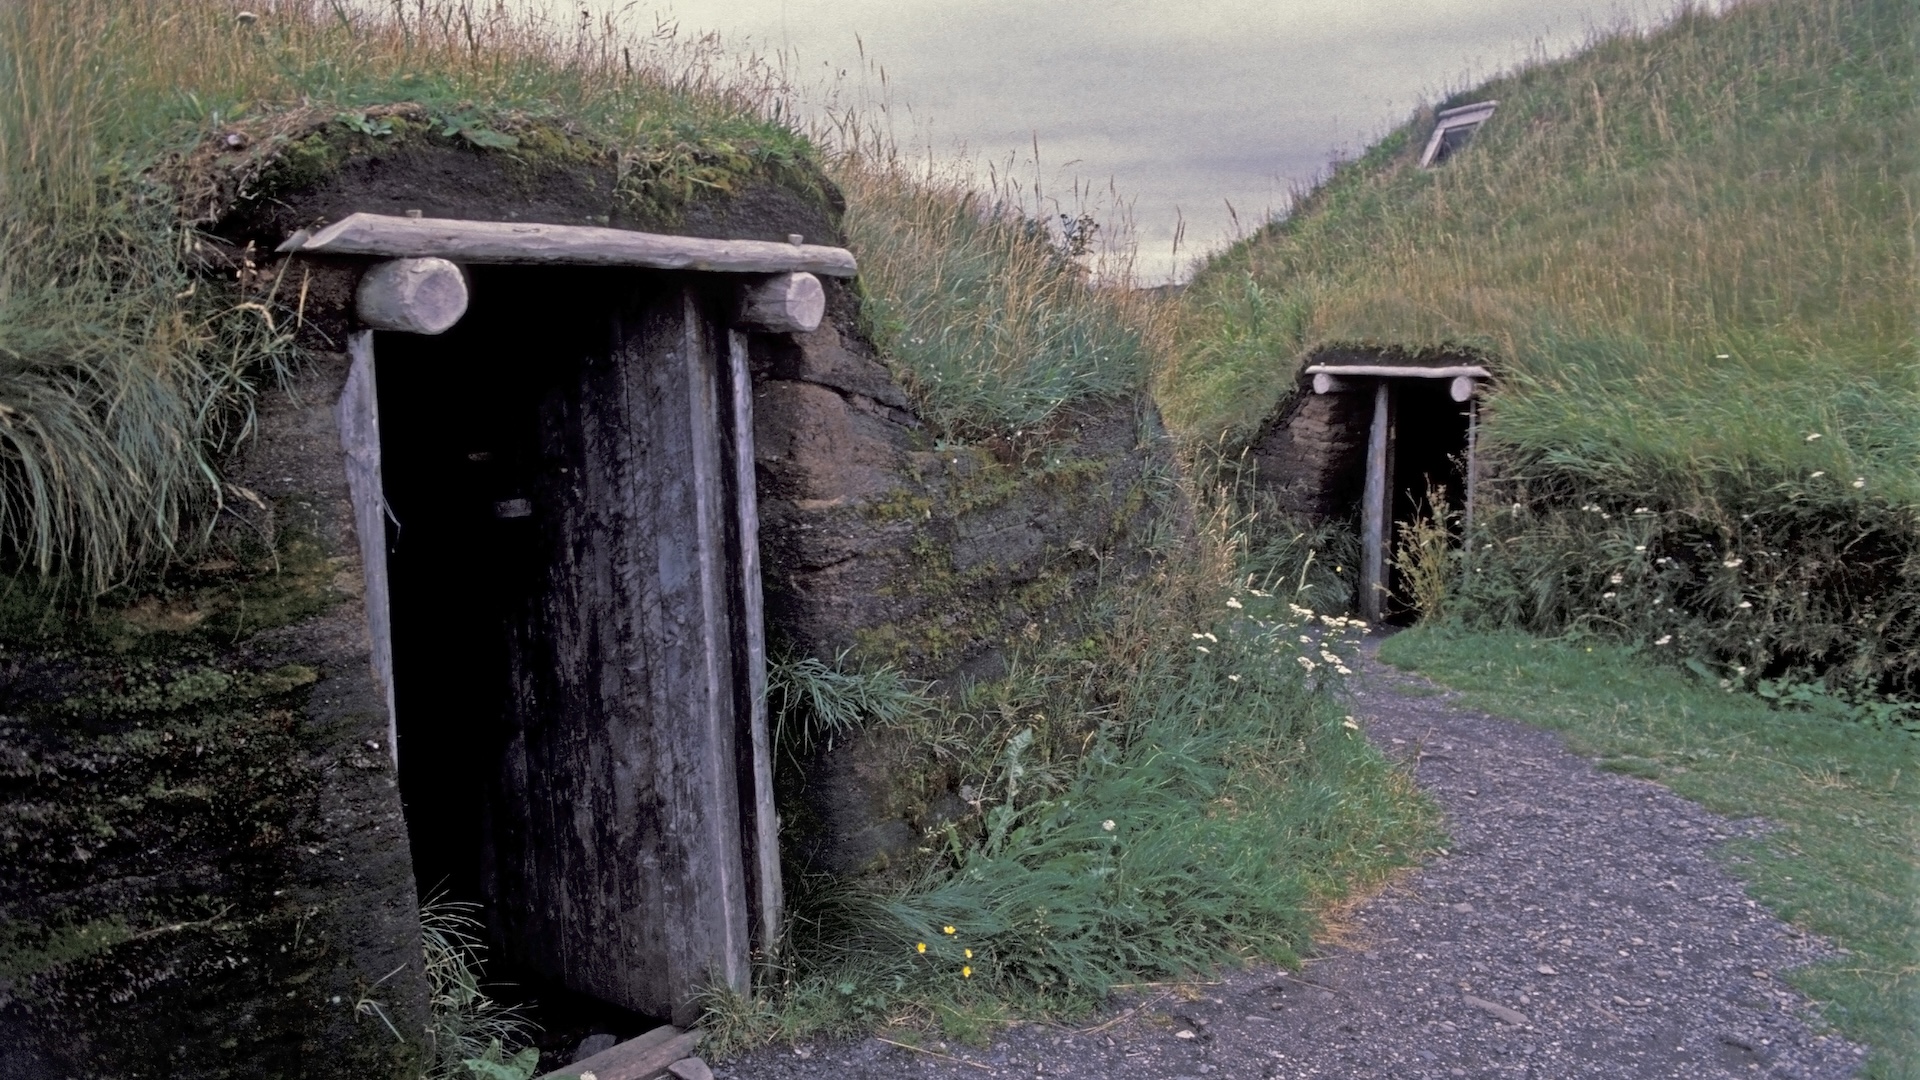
1845,861
1692,245
1689,256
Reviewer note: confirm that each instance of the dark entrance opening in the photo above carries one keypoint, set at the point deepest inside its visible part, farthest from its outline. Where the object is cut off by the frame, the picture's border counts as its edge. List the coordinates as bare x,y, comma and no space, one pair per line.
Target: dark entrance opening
1429,453
569,645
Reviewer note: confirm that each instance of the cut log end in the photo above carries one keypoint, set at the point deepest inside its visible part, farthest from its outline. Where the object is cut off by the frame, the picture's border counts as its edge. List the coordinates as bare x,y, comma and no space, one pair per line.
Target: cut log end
783,304
414,296
1324,383
1463,388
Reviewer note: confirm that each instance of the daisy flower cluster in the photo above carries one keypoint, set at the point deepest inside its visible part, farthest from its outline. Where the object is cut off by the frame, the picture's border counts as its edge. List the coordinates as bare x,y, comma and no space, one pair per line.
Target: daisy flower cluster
1280,632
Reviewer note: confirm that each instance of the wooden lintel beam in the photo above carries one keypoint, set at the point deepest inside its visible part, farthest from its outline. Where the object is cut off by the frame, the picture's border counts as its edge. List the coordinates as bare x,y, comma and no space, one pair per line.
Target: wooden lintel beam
526,243
1401,371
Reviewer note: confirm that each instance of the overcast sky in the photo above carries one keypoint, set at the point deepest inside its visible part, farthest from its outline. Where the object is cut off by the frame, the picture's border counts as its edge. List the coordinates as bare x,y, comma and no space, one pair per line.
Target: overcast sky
1182,106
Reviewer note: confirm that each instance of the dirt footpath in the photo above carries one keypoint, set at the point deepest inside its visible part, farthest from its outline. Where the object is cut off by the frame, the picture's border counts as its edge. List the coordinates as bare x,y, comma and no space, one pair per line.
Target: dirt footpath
1579,927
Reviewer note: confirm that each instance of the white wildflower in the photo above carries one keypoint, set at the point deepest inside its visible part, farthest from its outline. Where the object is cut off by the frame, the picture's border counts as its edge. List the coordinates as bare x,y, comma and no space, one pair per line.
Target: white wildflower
1608,595
1813,436
1663,639
1306,663
1744,604
1204,649
1108,825
1233,678
1859,481
1615,579
1640,547
1350,723
1816,474
1234,603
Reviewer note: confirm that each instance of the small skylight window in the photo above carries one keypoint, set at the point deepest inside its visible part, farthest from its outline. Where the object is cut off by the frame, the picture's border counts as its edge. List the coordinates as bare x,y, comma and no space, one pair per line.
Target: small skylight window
1451,130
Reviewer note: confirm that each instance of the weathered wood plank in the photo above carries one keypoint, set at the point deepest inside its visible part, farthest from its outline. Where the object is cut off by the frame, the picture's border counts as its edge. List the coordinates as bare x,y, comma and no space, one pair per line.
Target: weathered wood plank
578,245
1399,371
643,1058
1376,509
761,829
358,415
618,854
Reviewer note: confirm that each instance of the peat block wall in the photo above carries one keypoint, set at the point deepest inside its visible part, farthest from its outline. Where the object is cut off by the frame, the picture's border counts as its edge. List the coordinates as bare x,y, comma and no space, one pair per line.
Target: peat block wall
943,560
207,874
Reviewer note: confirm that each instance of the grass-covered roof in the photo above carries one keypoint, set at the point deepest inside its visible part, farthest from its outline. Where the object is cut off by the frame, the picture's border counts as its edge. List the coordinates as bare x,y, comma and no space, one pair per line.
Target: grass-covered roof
1686,251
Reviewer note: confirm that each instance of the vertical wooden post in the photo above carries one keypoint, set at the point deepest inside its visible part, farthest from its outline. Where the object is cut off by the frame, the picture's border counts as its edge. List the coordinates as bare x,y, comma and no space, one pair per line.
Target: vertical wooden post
358,415
1466,513
1376,509
761,829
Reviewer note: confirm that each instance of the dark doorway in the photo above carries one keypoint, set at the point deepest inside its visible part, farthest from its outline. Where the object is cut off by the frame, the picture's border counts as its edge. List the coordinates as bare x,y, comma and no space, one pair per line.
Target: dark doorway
1429,452
567,644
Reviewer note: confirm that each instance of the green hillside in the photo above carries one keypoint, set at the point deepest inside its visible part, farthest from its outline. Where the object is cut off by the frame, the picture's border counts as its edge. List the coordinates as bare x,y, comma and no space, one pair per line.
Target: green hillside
1688,255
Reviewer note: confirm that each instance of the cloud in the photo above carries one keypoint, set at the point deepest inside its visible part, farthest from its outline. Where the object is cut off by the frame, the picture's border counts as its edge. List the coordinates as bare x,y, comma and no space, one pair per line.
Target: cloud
1184,105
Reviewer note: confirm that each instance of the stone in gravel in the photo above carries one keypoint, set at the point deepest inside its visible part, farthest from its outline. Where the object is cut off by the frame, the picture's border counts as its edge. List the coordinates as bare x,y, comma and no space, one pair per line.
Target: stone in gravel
593,1044
1495,1008
691,1069
1464,909
1546,970
1183,1033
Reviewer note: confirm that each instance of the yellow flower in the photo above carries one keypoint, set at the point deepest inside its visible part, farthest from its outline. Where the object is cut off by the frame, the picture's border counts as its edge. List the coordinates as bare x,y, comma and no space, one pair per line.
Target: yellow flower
967,972
922,947
946,929
969,953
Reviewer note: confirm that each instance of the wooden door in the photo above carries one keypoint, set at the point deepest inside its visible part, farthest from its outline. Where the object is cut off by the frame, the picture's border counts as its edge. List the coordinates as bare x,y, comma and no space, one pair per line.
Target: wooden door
619,867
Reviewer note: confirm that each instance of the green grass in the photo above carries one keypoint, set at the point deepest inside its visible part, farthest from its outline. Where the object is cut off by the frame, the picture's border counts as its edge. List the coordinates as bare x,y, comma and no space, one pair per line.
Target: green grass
1687,254
1845,860
988,318
1221,800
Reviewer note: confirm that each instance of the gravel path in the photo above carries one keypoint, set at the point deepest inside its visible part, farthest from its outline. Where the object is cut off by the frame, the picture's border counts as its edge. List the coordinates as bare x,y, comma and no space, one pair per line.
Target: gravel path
1578,927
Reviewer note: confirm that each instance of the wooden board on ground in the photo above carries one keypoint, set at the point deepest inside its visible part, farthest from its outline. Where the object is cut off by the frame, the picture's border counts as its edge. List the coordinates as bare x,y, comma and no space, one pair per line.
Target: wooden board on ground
642,1058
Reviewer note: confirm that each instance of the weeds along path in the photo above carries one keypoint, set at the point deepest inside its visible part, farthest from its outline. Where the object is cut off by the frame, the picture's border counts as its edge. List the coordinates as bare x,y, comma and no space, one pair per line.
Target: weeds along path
1579,926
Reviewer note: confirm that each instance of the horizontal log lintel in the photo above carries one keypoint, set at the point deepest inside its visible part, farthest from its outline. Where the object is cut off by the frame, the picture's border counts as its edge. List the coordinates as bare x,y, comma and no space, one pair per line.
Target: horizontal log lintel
526,243
1399,371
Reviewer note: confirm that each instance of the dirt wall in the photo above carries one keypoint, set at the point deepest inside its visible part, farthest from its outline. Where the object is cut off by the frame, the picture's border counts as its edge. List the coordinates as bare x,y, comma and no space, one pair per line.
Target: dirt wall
207,873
